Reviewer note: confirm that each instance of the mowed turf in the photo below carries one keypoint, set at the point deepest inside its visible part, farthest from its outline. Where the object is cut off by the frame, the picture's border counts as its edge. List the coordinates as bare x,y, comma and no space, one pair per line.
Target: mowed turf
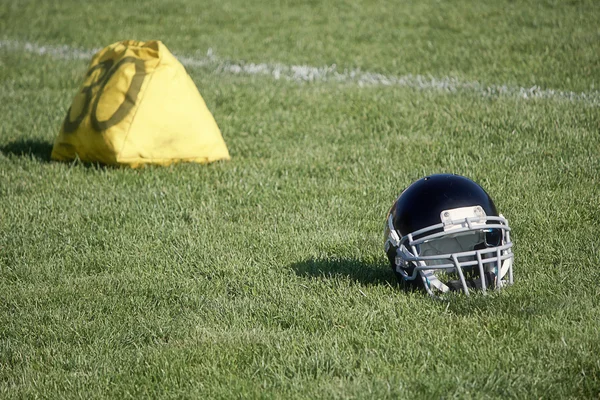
264,276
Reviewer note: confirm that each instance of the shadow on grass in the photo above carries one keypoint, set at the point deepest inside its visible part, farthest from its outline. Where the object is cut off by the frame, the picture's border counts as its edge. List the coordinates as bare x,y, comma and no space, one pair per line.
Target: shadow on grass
36,149
41,151
363,272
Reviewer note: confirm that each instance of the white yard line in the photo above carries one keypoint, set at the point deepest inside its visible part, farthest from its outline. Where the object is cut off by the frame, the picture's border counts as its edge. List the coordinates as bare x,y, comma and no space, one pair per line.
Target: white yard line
304,73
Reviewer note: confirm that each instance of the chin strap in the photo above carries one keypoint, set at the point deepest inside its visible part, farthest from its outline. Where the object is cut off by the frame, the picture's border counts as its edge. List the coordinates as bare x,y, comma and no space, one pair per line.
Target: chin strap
507,267
429,279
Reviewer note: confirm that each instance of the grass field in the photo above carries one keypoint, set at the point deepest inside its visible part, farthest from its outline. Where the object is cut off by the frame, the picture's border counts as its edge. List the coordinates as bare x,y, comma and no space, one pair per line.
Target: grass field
264,276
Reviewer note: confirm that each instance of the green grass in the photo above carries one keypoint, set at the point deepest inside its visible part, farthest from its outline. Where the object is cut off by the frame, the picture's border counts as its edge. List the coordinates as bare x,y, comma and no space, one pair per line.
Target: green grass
264,276
551,43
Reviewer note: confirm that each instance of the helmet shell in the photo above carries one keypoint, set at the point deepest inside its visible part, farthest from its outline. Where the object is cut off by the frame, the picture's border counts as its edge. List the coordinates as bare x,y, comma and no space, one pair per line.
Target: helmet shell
420,205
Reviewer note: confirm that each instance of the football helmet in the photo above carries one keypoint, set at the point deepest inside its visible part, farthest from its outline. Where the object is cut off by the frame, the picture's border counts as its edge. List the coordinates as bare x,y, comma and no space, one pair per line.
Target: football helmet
444,234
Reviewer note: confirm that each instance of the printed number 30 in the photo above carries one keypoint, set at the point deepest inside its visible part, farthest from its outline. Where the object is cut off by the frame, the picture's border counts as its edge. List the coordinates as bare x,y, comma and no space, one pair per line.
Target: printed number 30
107,70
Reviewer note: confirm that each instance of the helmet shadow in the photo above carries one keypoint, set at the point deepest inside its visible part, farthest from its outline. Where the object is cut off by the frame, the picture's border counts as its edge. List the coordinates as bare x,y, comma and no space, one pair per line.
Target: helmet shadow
335,268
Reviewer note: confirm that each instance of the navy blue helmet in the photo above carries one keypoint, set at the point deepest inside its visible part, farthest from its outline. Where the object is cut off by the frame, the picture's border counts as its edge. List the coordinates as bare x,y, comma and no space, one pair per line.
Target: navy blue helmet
444,234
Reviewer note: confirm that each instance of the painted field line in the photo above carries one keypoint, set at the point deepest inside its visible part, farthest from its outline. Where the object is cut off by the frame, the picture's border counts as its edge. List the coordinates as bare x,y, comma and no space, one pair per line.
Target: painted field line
304,73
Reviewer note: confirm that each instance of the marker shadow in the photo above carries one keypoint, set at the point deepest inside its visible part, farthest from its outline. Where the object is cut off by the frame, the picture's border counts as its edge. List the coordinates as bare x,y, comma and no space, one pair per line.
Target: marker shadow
41,151
31,148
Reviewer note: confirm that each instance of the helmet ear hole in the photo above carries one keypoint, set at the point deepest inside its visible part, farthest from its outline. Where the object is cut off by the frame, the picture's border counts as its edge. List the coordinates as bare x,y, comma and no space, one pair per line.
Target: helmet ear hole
391,255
